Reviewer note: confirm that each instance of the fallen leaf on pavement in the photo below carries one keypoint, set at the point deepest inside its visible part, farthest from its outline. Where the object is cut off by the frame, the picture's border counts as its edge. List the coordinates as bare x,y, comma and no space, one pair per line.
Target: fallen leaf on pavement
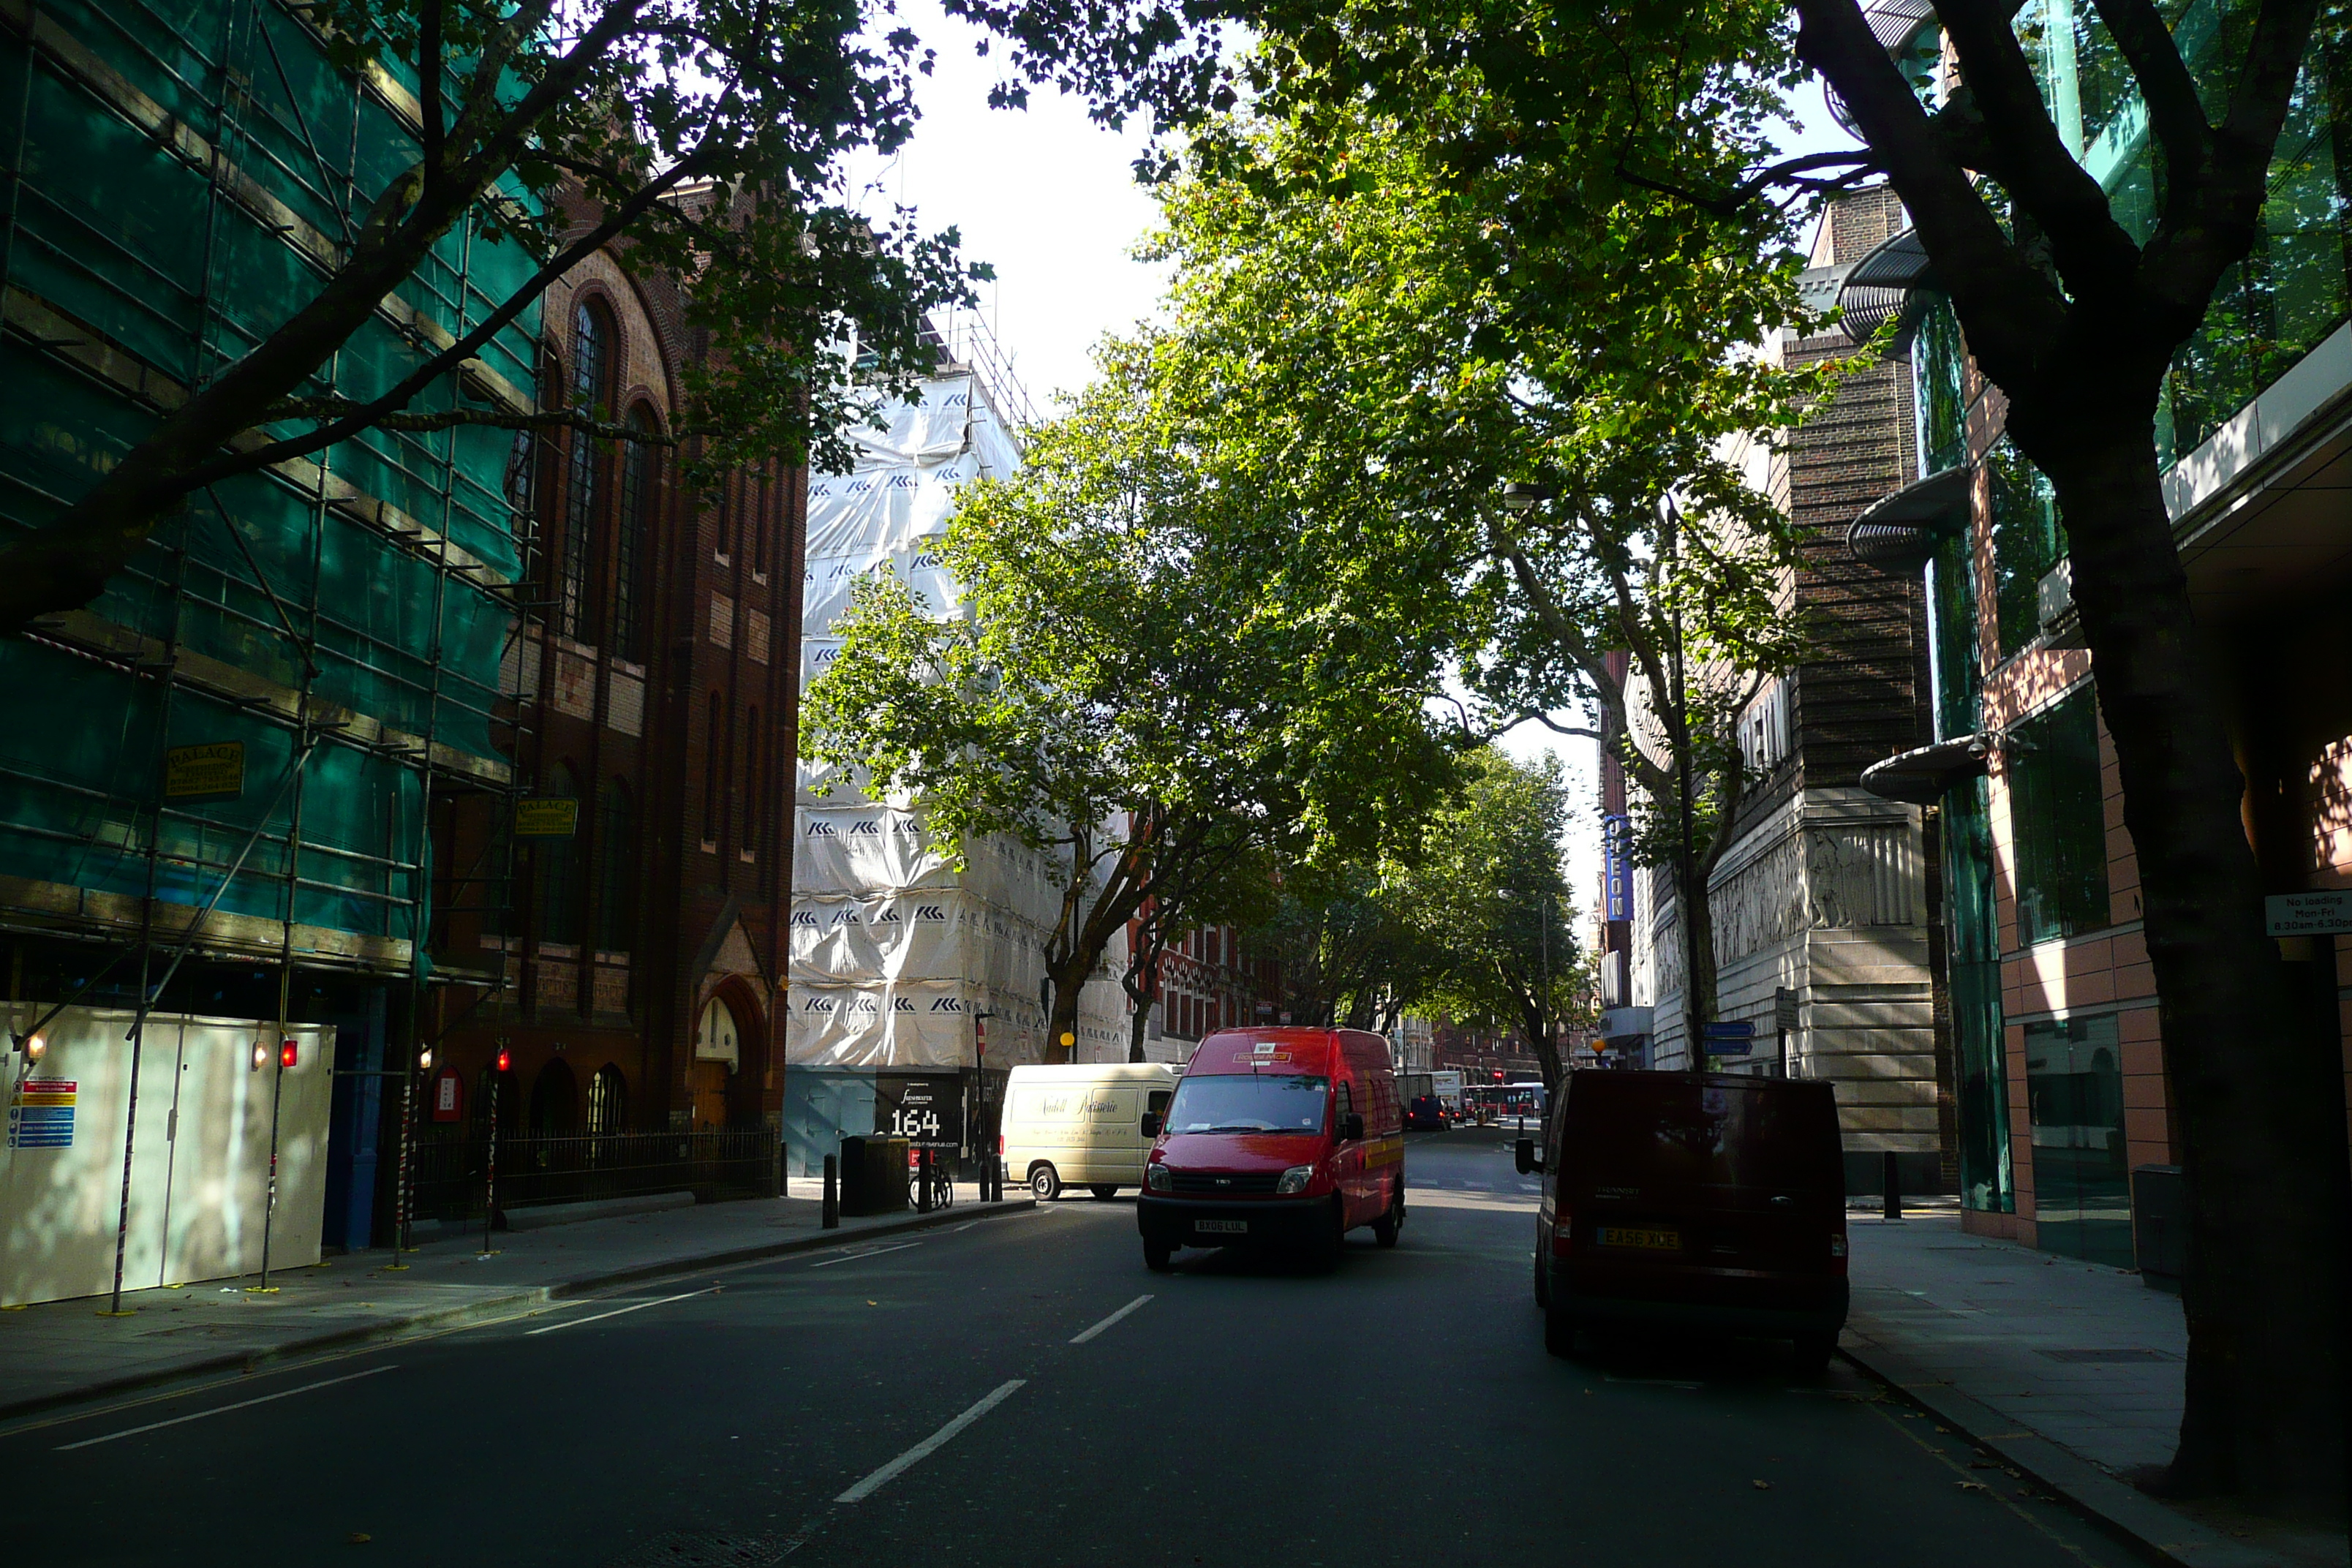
1973,1487
1761,1486
360,1538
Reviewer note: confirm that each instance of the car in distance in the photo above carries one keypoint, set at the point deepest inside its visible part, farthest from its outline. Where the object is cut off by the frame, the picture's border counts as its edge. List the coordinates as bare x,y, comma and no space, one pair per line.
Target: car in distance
1694,1201
1425,1114
1277,1138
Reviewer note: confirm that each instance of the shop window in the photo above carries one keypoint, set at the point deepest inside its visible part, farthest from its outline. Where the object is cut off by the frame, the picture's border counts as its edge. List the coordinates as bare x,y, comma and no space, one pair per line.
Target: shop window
2082,1177
2057,819
2027,542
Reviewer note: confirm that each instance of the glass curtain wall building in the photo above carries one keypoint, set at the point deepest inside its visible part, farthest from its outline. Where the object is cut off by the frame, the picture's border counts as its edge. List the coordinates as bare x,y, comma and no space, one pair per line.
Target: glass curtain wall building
1998,595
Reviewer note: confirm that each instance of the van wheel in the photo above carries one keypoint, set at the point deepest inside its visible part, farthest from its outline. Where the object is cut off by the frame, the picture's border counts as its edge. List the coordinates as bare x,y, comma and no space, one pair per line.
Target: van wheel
1104,1190
1046,1183
1333,1240
1157,1255
1559,1332
1386,1228
1813,1353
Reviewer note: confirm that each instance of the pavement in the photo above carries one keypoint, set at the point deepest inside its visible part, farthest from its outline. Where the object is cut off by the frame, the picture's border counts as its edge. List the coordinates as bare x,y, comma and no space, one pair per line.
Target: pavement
59,1352
2070,1373
1025,1393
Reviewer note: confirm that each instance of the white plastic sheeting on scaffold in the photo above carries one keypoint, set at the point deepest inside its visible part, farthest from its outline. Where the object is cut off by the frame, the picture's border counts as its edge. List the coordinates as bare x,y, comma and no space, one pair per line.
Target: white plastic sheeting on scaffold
893,947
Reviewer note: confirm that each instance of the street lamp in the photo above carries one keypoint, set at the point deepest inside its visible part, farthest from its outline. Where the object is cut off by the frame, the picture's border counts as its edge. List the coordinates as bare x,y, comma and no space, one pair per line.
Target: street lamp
1522,495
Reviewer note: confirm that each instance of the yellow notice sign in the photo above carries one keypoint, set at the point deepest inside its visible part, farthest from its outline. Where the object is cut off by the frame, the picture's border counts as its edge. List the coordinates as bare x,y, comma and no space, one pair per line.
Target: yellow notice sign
547,818
214,771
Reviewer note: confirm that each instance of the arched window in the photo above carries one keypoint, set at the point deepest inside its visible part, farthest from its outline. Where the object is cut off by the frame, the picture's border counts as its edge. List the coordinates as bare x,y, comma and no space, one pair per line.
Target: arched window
583,504
557,863
753,811
717,1037
608,1102
616,904
554,1101
637,492
711,741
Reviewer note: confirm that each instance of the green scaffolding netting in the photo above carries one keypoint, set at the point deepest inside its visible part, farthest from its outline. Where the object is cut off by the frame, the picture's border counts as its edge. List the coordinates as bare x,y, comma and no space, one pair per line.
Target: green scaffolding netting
159,255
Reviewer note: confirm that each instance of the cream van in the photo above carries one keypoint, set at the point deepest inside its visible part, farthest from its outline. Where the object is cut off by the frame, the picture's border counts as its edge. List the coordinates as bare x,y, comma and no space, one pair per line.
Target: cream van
1081,1126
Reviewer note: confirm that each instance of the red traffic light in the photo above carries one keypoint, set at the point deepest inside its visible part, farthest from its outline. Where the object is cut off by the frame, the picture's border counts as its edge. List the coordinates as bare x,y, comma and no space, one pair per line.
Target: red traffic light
1498,1075
506,1059
286,1054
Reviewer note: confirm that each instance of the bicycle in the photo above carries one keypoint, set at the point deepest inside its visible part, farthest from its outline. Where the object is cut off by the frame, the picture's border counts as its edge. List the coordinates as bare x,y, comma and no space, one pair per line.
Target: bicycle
942,1189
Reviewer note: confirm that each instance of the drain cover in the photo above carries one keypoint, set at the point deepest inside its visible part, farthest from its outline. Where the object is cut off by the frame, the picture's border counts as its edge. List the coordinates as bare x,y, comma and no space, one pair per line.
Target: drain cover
702,1549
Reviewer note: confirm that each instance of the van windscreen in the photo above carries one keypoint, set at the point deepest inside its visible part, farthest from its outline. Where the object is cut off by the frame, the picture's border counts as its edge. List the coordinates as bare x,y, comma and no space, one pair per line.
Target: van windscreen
1689,1134
1249,1102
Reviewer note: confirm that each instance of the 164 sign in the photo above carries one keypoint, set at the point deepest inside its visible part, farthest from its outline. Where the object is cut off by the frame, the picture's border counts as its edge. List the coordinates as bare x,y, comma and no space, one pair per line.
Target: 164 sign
925,1112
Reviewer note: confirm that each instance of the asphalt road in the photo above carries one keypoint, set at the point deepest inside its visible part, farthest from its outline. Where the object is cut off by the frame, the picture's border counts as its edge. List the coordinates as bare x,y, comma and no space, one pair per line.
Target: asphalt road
1401,1410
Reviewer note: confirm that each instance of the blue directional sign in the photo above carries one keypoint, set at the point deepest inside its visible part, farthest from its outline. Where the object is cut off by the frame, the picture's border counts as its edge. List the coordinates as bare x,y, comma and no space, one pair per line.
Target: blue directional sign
1734,1038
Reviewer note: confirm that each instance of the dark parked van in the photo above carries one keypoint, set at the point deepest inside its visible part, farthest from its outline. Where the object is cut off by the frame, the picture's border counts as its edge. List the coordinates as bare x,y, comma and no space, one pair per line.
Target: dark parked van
1702,1201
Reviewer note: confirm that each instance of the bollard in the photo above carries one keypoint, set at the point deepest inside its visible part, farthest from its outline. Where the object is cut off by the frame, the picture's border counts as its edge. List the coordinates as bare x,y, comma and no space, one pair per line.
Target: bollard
991,1171
1891,1185
832,1209
923,1181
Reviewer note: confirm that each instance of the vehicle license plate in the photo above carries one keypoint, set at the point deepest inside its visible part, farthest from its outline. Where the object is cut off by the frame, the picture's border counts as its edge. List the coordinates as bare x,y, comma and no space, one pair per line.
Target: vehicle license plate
1656,1240
1222,1227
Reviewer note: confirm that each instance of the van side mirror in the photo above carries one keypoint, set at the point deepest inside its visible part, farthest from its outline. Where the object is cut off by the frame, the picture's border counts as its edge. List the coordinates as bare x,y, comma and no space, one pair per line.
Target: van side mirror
1523,1155
1151,1124
1352,1126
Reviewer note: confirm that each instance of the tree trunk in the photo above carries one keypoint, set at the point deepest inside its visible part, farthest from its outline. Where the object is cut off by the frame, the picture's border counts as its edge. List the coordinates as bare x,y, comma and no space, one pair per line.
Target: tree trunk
1531,1018
1068,978
2259,1102
1139,1022
1697,917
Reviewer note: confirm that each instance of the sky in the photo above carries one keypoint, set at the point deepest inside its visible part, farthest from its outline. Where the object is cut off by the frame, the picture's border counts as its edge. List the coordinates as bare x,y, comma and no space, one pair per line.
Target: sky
1048,197
1045,194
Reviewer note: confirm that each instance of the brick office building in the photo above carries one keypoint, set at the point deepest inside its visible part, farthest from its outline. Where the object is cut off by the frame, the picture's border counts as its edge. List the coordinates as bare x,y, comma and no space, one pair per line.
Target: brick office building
652,686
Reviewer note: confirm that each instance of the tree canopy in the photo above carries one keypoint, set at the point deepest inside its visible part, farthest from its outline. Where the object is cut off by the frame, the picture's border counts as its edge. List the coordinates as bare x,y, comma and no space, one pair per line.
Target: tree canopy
1119,687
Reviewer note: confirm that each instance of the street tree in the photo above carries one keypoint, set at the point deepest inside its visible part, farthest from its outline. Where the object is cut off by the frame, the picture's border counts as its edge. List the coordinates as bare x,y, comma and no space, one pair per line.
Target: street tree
1117,692
705,135
1200,891
1486,888
1517,451
1349,954
2077,299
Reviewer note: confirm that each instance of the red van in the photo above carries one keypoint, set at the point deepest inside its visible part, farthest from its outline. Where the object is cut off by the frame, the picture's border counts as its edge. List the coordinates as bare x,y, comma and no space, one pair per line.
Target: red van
1704,1200
1286,1138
